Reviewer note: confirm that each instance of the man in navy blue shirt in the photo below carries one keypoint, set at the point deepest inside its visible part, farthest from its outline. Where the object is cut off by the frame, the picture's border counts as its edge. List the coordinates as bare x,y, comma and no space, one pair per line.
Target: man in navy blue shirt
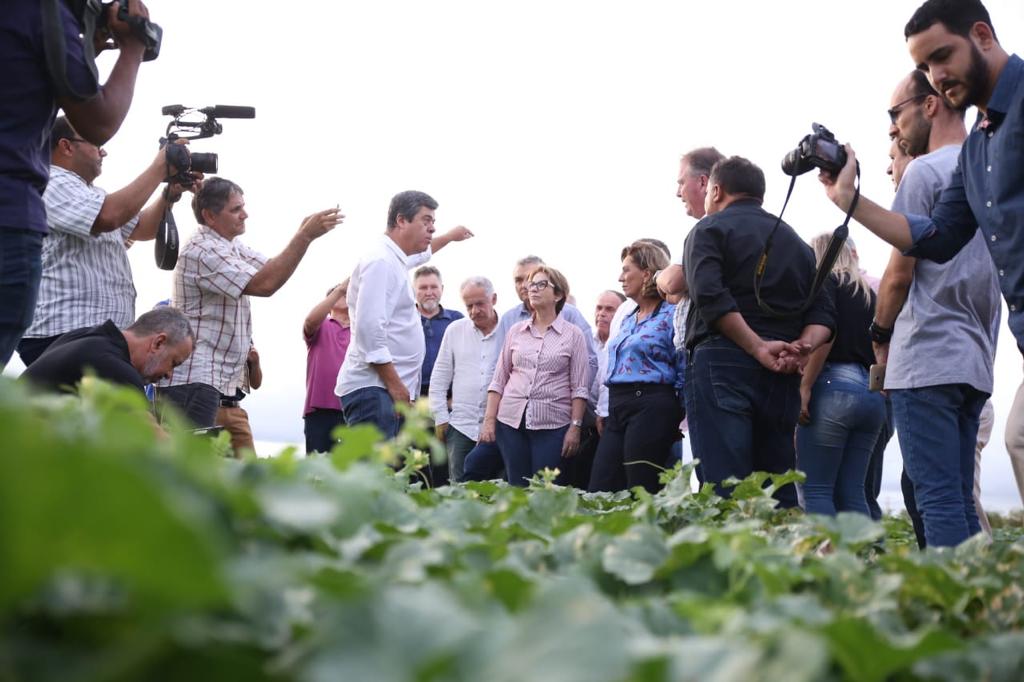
427,285
29,97
954,43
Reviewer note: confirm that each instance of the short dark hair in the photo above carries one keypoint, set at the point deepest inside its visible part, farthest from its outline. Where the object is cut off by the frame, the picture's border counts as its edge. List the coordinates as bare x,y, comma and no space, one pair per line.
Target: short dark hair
958,16
407,204
702,160
739,176
621,296
213,195
921,87
425,271
61,130
166,319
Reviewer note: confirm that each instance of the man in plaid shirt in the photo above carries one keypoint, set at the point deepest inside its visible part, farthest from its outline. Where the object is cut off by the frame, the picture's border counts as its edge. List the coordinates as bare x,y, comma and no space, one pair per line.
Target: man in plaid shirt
213,280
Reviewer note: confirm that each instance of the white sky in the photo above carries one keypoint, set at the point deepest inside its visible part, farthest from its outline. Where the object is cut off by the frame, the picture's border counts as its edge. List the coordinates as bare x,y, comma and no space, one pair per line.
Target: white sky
552,128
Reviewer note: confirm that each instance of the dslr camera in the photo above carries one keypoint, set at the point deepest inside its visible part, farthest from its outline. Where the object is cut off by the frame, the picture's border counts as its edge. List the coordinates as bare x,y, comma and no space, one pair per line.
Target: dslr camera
820,149
195,124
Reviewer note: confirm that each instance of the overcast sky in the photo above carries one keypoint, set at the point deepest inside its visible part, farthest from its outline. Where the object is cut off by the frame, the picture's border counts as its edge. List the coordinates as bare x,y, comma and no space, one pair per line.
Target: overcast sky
552,128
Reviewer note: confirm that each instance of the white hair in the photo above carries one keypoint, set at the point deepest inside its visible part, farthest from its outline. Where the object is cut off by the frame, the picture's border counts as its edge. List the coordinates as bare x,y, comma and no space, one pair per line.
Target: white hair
478,281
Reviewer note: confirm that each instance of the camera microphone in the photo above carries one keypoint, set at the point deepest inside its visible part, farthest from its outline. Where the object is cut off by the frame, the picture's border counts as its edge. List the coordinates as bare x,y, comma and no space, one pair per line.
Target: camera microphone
173,110
228,111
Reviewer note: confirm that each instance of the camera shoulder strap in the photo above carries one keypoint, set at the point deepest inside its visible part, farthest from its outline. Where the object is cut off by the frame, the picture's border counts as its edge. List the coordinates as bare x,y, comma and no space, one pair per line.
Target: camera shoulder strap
824,268
55,48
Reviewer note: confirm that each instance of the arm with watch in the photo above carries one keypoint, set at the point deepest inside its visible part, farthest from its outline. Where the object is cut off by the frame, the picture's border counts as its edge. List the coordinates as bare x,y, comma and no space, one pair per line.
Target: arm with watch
892,294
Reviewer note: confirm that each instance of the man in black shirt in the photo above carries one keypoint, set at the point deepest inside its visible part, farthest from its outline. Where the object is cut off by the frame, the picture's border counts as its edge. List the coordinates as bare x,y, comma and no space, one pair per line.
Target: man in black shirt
742,393
145,352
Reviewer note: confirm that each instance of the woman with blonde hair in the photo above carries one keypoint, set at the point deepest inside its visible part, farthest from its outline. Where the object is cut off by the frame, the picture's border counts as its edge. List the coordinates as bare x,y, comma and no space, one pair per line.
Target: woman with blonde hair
539,392
840,418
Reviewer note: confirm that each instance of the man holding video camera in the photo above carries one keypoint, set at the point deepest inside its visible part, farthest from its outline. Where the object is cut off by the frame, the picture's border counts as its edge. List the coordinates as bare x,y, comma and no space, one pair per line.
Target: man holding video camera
953,41
41,38
741,390
86,277
213,279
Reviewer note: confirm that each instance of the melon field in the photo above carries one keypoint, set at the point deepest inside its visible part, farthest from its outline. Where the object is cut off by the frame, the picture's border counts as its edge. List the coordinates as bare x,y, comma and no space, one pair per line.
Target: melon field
126,556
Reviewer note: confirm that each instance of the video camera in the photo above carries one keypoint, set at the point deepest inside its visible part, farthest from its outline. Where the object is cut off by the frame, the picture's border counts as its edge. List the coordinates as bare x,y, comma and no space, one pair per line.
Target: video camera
188,123
196,124
149,33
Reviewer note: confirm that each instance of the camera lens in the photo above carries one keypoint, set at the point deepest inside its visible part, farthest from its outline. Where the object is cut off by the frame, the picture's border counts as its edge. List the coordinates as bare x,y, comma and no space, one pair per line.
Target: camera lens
204,163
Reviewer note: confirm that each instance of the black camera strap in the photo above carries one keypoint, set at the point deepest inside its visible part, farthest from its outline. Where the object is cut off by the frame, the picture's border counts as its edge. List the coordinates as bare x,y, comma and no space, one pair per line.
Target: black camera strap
166,247
55,47
824,268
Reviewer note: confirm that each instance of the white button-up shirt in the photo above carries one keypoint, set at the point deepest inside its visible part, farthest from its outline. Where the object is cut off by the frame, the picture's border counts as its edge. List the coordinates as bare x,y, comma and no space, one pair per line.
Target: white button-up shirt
463,363
385,323
614,328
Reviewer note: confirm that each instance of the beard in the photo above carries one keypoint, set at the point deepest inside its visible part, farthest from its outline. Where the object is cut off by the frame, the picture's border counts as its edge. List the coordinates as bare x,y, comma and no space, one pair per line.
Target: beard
429,306
918,135
975,83
149,368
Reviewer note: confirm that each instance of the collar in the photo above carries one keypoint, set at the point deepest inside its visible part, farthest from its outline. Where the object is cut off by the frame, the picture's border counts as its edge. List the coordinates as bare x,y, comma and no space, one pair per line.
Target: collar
55,169
443,313
558,325
390,244
999,103
209,233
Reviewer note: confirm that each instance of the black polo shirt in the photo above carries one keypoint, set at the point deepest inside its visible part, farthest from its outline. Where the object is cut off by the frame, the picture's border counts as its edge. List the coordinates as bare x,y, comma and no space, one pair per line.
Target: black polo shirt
719,258
102,348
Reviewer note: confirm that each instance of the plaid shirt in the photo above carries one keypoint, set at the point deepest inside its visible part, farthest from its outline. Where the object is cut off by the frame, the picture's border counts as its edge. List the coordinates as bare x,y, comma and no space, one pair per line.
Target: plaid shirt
86,278
209,279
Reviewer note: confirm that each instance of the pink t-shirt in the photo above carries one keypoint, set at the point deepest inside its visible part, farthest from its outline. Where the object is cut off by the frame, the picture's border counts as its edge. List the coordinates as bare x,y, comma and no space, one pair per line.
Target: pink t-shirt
326,352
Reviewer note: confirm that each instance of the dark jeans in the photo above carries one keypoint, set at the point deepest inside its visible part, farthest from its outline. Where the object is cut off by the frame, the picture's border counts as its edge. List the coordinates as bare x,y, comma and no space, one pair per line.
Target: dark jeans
643,422
835,448
198,402
371,405
483,463
907,486
29,350
742,416
458,445
873,480
938,431
20,269
527,451
318,426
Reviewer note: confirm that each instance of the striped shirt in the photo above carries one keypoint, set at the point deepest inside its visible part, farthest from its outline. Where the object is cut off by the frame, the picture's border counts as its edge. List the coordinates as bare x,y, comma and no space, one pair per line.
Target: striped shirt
539,375
209,279
86,278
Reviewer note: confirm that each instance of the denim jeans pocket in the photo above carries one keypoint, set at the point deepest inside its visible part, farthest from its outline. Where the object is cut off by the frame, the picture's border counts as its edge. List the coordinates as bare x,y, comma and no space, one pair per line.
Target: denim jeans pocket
732,385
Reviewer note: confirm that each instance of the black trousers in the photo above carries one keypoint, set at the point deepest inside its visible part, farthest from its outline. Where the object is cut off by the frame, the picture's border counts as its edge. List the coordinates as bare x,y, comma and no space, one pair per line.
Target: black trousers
318,426
643,422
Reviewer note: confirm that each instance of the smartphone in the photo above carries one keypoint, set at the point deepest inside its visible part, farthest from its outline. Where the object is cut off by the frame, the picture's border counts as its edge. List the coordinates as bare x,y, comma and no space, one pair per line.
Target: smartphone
876,378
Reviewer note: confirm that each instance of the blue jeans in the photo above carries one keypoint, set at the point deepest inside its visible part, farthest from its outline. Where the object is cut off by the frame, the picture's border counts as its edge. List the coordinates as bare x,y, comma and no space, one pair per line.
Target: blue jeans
938,430
527,451
20,270
371,405
483,463
458,445
741,415
834,450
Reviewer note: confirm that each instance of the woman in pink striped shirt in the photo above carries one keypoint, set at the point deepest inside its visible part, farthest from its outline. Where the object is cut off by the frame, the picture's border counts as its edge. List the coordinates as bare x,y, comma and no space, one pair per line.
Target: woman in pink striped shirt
537,397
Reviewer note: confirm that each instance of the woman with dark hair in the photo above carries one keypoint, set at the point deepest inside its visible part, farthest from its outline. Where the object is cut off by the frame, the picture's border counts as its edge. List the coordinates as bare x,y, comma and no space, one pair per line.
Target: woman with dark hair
644,379
539,392
840,419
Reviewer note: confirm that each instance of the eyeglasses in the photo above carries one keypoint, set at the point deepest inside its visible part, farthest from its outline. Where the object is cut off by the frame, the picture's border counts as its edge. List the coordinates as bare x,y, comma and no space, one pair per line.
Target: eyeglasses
538,286
895,112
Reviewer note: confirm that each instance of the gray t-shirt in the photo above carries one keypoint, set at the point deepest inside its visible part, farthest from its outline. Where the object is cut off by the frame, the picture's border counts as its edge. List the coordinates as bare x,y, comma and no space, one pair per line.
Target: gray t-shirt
947,330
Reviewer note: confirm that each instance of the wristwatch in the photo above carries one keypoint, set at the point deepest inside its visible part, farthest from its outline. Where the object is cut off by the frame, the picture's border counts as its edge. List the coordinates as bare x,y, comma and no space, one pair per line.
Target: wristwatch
878,333
578,423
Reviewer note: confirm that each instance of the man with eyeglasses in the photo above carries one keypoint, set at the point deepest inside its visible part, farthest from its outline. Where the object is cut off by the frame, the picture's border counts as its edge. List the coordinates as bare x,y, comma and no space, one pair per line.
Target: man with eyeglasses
936,310
86,278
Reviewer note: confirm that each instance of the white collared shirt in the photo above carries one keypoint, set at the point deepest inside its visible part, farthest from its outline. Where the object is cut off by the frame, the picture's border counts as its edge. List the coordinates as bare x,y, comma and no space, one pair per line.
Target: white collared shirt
463,363
385,323
614,328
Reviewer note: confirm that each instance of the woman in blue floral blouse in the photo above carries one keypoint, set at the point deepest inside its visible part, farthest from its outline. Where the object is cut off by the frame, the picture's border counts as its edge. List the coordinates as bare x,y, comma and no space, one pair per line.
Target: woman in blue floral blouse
644,378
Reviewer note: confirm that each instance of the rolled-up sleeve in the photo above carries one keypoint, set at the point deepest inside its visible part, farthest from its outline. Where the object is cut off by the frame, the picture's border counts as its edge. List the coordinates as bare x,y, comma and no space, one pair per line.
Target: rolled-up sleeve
704,275
579,367
441,380
370,324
